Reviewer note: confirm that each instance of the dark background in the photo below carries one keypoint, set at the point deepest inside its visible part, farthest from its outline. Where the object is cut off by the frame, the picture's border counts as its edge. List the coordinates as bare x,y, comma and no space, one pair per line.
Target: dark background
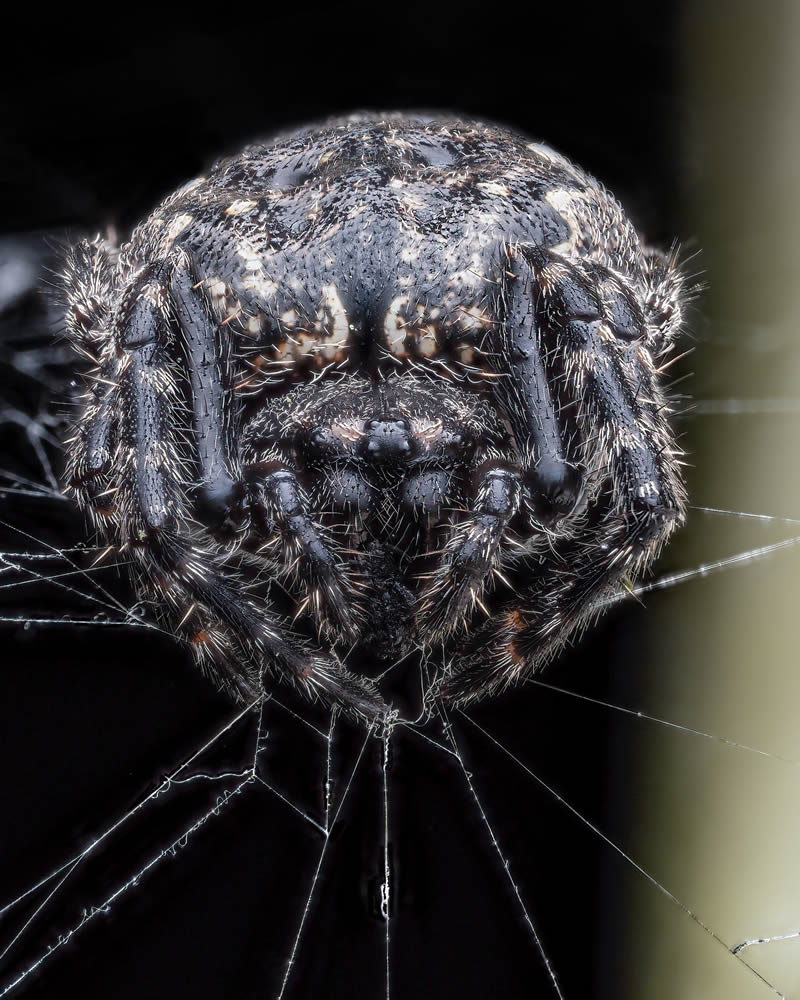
99,121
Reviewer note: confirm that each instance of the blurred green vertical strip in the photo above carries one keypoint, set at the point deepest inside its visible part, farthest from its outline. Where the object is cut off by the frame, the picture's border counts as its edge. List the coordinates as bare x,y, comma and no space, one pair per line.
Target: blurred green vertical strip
720,826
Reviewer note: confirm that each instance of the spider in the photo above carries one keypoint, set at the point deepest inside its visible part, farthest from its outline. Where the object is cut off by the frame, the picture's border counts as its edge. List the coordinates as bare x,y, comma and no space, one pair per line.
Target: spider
389,383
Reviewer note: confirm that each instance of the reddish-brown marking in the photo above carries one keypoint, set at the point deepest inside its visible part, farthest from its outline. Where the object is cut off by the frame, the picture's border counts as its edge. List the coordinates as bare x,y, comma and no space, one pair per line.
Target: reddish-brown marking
515,621
515,624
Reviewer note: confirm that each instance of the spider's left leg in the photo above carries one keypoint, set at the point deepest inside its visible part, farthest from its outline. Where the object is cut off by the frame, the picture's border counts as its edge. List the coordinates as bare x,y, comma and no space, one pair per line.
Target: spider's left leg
473,551
620,413
89,286
208,606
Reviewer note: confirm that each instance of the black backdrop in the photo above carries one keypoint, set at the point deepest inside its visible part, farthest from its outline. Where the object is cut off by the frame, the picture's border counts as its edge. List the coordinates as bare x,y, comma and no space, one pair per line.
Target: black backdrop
99,120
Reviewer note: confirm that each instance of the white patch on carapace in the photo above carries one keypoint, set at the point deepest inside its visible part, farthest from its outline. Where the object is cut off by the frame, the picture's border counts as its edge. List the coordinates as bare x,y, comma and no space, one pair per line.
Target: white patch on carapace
468,277
216,287
335,327
427,342
255,281
566,203
473,318
250,256
176,227
493,187
297,346
466,273
395,325
464,353
326,341
254,324
240,207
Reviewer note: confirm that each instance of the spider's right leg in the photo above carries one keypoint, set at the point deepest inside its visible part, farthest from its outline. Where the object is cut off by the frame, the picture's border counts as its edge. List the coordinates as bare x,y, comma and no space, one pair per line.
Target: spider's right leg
530,398
238,635
621,416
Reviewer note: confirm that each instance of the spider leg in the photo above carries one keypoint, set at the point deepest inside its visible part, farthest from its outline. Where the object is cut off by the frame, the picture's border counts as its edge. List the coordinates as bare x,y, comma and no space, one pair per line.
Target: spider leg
208,361
547,484
529,397
234,633
89,286
276,491
622,410
222,484
91,446
472,552
244,635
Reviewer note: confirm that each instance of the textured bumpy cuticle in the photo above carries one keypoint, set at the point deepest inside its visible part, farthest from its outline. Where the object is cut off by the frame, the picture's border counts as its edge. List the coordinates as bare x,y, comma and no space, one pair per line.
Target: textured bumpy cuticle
383,385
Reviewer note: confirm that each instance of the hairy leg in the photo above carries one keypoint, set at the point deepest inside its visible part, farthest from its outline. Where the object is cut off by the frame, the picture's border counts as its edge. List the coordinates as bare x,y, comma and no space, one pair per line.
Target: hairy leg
472,553
621,411
163,339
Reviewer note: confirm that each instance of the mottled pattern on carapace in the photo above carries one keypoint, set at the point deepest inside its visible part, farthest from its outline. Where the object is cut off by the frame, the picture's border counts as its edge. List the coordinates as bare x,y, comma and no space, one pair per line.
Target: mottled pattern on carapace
370,240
